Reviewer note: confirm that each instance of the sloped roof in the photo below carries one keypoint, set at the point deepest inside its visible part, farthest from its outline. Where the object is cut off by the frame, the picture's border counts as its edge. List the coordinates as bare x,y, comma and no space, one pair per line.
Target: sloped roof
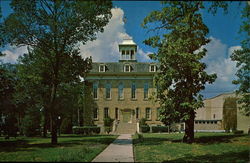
118,67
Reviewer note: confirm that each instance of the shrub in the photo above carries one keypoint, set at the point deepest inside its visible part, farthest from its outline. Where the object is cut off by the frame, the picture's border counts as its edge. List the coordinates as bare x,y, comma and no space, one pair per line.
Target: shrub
156,129
31,123
238,132
139,137
108,124
86,130
66,126
142,122
145,128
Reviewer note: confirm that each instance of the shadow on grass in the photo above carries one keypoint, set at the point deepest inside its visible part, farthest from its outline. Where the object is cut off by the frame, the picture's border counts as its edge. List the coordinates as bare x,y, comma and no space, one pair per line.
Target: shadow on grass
26,144
203,140
241,156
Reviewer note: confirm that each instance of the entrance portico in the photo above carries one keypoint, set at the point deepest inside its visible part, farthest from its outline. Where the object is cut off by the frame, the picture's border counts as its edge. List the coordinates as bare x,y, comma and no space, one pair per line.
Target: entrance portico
127,115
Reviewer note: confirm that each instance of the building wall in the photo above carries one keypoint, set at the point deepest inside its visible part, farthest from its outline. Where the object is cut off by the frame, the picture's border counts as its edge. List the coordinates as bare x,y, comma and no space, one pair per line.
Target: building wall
213,111
127,102
243,122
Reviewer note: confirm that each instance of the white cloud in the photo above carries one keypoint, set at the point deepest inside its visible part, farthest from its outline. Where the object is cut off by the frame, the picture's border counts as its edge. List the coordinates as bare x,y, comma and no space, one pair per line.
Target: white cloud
12,53
218,61
105,47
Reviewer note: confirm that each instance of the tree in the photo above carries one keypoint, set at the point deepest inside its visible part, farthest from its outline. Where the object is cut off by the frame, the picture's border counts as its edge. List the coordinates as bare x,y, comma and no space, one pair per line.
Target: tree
230,114
55,28
8,109
181,73
242,58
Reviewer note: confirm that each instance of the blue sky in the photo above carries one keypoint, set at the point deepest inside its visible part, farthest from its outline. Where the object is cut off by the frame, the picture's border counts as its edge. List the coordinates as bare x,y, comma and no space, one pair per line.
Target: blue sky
223,34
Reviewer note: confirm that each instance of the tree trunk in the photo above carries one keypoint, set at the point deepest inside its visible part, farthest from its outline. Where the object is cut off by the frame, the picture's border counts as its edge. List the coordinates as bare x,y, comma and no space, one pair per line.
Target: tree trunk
189,129
53,129
45,124
53,117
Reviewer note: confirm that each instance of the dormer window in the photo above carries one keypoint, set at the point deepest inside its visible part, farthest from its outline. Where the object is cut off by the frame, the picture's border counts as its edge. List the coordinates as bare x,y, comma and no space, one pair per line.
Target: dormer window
127,68
152,68
102,68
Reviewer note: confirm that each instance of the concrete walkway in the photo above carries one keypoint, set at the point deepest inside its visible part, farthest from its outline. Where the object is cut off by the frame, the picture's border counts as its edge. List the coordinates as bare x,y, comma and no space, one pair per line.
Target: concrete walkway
121,150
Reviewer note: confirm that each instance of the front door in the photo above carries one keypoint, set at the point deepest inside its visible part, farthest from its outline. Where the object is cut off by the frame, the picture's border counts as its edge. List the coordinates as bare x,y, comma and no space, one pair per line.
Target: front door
126,115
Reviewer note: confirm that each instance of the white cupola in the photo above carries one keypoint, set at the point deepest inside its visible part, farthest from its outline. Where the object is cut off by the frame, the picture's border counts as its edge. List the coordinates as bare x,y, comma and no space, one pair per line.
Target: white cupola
127,50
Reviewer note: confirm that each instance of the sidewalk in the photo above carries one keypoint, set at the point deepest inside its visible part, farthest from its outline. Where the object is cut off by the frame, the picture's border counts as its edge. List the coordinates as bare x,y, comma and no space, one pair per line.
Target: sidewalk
121,150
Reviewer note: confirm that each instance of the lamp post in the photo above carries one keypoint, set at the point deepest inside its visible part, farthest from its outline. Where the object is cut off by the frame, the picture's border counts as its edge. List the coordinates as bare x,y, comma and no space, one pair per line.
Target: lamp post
82,80
59,124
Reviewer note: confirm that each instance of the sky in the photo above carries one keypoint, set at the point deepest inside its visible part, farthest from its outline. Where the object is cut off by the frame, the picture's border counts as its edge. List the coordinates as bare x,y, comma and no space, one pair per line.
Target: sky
223,32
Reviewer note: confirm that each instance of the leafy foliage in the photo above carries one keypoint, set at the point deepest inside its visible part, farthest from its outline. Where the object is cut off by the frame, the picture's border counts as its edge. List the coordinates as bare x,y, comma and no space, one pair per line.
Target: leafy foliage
181,76
242,57
53,30
230,113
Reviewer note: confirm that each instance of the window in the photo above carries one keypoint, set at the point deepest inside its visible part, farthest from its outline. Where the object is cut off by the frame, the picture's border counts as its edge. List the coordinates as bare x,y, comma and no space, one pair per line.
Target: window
132,56
214,116
123,55
108,91
133,89
106,112
152,68
120,91
137,113
127,54
95,113
146,91
95,90
102,68
196,122
148,113
127,68
158,114
116,113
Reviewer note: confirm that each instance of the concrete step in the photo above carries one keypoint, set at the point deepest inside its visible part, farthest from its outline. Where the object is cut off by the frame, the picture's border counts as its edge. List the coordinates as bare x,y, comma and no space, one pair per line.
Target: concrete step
126,128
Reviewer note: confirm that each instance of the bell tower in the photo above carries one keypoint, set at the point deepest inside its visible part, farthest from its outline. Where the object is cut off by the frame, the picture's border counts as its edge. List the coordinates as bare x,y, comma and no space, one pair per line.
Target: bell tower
127,50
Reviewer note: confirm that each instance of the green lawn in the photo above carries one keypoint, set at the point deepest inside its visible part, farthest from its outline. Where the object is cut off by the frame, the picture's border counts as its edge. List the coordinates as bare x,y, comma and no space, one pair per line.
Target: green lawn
70,148
208,147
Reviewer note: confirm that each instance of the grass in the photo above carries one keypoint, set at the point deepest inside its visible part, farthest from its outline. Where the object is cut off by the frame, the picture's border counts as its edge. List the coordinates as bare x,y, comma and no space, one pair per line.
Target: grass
208,147
70,148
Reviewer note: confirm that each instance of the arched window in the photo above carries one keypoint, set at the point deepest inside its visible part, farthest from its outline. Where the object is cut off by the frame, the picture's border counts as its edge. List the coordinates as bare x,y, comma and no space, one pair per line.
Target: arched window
133,90
95,91
145,90
120,91
108,90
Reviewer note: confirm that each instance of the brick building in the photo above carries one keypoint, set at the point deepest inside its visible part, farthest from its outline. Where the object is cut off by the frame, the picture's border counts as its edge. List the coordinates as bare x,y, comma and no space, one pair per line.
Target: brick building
122,90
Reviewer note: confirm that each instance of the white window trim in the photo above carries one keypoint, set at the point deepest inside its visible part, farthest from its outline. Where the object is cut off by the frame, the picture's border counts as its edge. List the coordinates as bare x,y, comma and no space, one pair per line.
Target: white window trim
103,68
154,68
109,92
150,114
120,98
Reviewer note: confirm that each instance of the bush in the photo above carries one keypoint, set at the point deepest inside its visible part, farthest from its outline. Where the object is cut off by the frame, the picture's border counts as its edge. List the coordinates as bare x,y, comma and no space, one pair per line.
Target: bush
31,123
145,128
108,124
142,122
86,130
156,129
139,137
238,132
66,126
